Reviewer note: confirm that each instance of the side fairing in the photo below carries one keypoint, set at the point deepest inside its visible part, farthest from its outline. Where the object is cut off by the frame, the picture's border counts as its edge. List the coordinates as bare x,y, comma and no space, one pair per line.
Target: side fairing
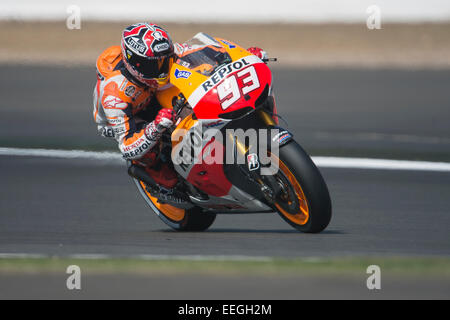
197,154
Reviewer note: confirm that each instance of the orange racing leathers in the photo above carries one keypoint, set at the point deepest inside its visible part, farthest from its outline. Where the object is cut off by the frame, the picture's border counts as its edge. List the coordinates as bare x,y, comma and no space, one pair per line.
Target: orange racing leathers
117,101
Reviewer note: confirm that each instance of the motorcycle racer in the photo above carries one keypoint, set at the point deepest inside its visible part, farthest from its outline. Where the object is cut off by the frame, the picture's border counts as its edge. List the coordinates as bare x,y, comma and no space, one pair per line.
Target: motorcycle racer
128,77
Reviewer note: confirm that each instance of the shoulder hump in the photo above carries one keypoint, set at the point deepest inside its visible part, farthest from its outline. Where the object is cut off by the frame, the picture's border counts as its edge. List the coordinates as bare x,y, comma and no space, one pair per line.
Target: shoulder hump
108,60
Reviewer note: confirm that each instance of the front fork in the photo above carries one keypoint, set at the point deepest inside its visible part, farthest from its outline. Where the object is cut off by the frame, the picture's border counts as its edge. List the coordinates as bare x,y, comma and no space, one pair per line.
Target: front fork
268,185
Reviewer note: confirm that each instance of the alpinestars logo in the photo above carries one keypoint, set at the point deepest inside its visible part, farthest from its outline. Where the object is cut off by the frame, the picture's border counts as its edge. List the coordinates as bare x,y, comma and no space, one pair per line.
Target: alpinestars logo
112,102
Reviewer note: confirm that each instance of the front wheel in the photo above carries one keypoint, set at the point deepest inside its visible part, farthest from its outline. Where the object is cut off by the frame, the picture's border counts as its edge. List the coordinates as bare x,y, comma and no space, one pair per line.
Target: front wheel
179,219
304,201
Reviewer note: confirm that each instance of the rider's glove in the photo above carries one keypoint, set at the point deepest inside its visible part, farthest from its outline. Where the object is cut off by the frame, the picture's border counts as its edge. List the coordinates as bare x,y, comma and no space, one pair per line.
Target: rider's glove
260,53
163,121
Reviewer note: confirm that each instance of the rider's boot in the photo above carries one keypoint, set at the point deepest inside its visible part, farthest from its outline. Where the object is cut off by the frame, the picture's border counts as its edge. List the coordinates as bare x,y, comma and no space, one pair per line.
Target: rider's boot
159,177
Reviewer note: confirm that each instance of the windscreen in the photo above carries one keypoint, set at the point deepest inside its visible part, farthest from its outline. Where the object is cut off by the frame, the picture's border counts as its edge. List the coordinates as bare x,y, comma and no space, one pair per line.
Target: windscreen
203,54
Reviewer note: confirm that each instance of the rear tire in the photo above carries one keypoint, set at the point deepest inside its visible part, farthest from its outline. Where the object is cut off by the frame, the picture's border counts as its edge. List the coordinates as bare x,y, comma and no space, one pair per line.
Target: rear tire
193,219
313,213
197,220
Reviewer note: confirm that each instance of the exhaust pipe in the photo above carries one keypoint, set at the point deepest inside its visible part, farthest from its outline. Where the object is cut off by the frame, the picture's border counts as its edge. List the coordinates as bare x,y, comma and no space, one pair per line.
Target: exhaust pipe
139,173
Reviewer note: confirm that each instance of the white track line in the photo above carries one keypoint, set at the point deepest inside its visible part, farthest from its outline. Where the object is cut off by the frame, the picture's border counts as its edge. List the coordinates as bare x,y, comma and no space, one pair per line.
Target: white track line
325,162
145,257
202,257
22,256
380,164
65,154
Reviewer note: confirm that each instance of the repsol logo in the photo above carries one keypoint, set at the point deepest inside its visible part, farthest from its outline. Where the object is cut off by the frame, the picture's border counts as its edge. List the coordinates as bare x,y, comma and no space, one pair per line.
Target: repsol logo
136,152
223,72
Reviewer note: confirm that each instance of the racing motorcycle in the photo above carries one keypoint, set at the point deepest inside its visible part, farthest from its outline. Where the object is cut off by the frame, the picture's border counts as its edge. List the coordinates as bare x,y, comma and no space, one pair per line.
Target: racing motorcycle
223,99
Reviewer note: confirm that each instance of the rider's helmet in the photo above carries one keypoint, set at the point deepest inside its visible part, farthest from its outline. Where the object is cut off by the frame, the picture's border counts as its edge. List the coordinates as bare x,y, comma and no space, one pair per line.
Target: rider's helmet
148,53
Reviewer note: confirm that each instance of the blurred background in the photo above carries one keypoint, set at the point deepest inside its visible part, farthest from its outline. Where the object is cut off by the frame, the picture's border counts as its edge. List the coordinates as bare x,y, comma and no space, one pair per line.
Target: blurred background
354,78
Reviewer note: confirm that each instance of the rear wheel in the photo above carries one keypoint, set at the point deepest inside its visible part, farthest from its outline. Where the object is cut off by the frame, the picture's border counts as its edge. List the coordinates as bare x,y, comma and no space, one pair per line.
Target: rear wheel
304,201
193,219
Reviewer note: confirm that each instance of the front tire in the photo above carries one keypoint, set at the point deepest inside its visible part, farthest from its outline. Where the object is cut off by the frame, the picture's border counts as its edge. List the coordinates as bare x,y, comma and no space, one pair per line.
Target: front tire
305,201
193,219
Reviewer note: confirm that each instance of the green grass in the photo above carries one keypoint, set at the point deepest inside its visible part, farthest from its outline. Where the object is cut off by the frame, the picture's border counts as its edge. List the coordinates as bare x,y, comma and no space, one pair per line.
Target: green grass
432,266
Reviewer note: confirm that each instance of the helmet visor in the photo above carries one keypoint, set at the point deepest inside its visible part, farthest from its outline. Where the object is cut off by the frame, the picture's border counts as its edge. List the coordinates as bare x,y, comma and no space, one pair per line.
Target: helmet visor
152,68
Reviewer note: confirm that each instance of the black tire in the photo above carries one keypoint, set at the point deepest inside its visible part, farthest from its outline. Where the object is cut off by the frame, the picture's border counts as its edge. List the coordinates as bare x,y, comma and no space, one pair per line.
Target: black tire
313,185
197,220
194,219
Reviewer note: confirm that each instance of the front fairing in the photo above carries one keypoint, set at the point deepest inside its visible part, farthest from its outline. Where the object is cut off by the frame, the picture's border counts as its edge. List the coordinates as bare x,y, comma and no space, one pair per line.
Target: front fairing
235,86
218,77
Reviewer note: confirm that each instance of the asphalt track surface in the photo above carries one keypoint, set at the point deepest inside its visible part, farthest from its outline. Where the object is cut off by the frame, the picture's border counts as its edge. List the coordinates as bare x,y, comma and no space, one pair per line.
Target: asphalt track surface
62,207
